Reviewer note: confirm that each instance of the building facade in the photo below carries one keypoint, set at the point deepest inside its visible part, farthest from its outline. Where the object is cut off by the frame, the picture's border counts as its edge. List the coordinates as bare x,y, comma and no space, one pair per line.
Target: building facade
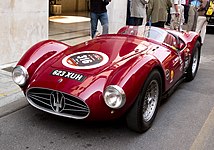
24,23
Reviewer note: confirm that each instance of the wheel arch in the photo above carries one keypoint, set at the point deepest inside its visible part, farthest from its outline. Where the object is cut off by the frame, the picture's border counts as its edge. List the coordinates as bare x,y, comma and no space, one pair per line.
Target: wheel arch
161,71
193,40
135,115
190,72
135,76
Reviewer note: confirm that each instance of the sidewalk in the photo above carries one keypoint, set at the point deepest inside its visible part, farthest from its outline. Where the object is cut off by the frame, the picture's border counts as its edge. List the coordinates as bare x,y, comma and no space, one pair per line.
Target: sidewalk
9,91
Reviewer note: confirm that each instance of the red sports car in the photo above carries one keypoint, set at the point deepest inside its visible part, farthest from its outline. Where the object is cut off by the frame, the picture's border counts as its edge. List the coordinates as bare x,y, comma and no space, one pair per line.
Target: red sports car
114,75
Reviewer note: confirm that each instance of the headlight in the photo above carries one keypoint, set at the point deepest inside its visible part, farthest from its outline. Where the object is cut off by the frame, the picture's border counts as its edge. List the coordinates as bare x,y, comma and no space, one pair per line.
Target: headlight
114,96
20,75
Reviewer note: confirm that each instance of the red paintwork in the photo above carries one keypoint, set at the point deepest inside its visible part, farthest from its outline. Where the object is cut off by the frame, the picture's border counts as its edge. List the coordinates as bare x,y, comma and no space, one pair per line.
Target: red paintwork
131,59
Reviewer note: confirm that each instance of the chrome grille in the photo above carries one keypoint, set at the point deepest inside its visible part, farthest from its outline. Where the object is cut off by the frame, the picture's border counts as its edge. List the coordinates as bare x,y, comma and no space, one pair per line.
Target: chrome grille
57,103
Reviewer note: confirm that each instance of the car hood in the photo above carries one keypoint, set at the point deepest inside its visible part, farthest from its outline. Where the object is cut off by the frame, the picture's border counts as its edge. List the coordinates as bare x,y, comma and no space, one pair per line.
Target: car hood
97,55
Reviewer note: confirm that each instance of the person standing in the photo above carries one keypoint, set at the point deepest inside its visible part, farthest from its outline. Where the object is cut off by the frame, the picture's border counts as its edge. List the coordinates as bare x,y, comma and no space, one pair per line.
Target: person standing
137,12
177,13
157,12
202,20
98,11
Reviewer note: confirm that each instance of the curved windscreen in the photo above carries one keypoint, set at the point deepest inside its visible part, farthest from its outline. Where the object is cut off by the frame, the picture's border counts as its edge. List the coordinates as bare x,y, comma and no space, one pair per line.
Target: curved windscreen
157,34
154,33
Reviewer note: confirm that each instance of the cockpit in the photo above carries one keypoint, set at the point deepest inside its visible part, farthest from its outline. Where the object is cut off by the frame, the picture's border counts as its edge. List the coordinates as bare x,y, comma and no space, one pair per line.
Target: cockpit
157,34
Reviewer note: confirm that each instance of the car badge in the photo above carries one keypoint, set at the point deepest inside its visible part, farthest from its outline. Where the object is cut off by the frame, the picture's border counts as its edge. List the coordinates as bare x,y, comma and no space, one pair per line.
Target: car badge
60,80
57,101
167,73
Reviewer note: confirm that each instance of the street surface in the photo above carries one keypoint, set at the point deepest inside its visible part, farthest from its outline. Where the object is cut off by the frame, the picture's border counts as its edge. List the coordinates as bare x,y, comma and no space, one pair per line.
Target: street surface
184,122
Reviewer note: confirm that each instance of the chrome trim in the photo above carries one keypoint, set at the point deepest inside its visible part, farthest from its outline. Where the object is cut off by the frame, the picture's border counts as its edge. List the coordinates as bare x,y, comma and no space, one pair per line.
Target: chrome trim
150,100
25,73
47,102
120,90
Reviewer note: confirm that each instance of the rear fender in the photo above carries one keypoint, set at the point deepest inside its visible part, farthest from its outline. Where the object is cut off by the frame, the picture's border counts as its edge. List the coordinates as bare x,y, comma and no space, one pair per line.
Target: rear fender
191,38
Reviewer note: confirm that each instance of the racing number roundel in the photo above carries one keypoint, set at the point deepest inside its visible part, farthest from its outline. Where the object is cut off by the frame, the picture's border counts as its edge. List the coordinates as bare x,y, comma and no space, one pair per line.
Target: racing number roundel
85,60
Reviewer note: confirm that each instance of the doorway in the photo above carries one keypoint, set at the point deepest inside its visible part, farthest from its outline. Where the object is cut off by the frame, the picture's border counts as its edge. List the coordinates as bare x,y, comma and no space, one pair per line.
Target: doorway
69,21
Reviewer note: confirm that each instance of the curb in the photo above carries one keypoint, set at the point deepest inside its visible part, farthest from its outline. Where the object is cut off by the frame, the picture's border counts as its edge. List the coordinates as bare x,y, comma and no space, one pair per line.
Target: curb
13,106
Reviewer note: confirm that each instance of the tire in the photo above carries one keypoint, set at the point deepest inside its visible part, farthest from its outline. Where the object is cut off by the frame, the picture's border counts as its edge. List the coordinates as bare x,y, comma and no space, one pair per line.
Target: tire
194,63
142,114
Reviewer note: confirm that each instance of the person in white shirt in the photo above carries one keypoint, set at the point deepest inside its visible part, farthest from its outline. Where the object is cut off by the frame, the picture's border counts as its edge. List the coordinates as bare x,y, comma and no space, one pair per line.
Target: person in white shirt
177,15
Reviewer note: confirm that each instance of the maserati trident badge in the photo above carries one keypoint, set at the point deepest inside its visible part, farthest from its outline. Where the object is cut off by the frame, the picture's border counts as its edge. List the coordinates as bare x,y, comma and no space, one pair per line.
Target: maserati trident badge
60,80
57,101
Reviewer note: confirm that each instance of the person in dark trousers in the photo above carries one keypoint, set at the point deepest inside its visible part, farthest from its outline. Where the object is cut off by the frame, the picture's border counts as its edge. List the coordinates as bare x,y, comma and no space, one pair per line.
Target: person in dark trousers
136,12
157,12
186,11
129,19
98,11
168,18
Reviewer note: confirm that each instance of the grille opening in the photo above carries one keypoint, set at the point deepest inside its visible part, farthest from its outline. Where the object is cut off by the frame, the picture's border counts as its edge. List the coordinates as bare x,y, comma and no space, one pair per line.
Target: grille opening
58,103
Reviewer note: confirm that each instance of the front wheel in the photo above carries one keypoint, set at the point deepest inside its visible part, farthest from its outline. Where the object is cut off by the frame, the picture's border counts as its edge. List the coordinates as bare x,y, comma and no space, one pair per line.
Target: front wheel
144,110
194,62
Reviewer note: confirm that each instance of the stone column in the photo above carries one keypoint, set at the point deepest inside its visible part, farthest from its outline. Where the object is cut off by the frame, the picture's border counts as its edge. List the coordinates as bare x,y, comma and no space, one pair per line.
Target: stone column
117,11
22,24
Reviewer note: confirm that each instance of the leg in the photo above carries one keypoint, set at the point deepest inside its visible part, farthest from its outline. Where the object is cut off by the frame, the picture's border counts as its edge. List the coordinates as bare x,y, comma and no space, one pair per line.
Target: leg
131,21
159,24
186,11
201,27
168,17
94,21
174,22
138,21
103,17
190,22
182,20
128,17
192,19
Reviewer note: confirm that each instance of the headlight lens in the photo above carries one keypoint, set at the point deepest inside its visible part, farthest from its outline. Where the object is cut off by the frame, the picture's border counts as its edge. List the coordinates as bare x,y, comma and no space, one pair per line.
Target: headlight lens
114,96
20,75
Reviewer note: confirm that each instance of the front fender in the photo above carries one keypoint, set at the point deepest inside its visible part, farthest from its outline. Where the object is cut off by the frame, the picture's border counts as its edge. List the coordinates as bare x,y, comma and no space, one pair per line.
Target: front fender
132,75
40,53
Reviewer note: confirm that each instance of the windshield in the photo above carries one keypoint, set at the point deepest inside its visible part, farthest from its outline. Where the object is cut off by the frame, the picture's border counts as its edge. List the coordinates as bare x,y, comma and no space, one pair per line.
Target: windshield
154,33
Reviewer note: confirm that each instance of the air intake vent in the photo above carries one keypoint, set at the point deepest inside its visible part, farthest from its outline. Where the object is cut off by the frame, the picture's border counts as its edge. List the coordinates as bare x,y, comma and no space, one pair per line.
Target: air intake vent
57,103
